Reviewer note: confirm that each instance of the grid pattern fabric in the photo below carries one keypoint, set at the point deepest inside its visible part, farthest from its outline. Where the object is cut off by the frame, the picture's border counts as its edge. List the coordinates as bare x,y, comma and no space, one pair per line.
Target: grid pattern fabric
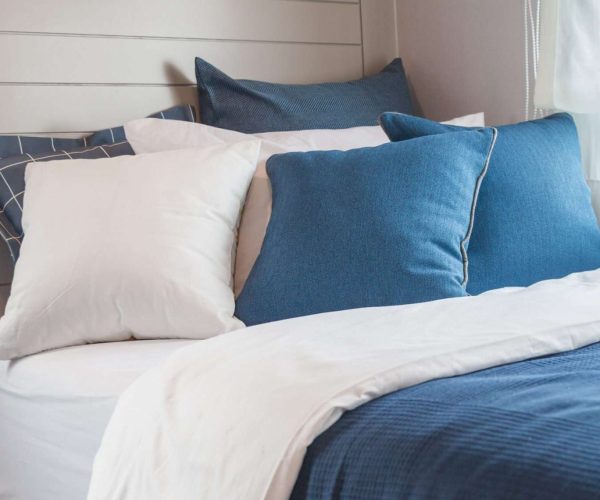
15,145
527,430
17,151
12,185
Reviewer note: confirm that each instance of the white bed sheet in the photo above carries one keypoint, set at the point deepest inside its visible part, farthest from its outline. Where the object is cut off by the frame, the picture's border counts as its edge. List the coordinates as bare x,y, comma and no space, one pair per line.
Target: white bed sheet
54,408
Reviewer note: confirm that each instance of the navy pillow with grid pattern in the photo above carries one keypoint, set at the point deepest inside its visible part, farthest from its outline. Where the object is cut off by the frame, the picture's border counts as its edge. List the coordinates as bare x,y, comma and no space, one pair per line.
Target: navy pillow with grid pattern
14,145
41,149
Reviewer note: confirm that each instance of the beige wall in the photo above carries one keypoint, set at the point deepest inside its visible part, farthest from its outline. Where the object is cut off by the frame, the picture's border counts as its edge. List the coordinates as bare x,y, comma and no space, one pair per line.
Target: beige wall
379,29
464,56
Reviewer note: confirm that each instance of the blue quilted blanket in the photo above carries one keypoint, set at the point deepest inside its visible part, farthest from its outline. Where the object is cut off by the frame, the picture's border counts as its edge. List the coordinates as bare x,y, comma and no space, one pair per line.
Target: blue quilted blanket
529,430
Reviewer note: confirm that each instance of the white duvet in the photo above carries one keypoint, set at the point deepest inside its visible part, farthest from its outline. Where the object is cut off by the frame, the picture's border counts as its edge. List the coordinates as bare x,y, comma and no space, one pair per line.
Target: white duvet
231,417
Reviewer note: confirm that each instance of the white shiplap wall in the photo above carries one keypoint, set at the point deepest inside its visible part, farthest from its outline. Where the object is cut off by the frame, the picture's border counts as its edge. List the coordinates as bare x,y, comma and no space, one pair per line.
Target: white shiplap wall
74,66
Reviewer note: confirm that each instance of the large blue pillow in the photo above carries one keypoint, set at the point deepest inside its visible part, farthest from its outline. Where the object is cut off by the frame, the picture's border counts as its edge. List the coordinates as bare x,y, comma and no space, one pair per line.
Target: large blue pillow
102,144
367,227
534,219
251,106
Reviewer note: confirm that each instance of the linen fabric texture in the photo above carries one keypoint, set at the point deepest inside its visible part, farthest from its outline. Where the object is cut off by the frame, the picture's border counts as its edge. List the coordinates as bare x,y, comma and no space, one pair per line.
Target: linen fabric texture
534,219
369,227
520,431
251,106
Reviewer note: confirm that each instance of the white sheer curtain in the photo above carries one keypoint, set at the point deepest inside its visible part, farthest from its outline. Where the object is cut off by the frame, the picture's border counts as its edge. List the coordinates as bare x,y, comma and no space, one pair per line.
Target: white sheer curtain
568,76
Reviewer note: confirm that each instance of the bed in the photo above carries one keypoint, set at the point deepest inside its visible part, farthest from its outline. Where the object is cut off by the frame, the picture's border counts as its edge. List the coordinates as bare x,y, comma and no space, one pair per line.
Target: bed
425,392
486,408
529,426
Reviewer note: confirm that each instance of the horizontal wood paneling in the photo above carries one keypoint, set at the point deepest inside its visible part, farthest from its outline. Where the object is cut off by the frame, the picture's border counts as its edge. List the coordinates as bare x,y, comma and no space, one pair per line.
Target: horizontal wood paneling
131,60
90,65
292,20
75,104
63,108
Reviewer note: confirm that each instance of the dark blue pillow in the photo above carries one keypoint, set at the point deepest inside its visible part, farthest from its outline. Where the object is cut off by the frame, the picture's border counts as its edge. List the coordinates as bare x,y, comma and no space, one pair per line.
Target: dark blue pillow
534,219
367,227
41,149
13,145
251,106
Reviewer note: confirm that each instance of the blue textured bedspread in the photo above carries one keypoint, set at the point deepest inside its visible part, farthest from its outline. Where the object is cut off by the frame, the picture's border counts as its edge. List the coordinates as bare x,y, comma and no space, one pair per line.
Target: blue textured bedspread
528,430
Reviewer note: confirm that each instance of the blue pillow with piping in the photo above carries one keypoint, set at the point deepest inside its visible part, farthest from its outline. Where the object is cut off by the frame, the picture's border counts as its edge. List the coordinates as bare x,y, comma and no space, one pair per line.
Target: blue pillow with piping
252,106
534,218
367,227
105,143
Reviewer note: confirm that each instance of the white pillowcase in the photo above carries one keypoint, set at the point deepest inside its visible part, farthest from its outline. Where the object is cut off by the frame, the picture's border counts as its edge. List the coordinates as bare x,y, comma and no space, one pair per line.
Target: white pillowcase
133,246
152,135
474,120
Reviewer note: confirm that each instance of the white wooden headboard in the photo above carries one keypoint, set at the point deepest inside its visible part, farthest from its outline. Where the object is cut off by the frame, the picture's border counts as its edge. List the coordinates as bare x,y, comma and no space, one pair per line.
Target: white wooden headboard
74,66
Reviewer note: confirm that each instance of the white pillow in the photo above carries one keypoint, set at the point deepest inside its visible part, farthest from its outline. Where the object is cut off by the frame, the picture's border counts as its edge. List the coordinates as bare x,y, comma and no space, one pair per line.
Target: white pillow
151,135
474,120
133,246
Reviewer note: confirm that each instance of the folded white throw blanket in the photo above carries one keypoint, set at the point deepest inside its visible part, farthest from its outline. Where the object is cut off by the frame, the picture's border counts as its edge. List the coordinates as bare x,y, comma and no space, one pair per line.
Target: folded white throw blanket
231,417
